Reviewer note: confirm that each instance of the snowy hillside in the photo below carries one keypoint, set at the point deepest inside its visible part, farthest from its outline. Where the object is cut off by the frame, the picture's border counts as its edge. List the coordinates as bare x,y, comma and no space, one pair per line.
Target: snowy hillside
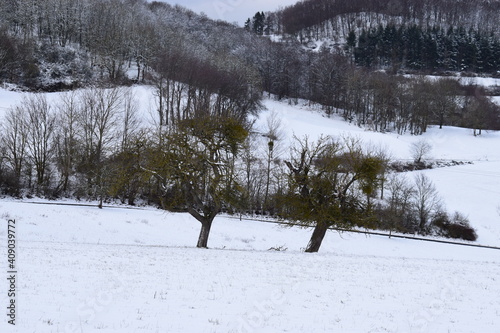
122,269
472,189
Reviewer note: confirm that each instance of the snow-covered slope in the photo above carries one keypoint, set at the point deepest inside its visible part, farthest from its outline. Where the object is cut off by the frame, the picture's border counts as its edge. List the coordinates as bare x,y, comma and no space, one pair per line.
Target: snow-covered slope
81,269
471,189
448,143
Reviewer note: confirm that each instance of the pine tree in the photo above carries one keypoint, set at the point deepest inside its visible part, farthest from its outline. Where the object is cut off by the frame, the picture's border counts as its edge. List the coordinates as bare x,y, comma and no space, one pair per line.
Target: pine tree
430,51
248,25
414,47
351,44
360,53
351,39
258,23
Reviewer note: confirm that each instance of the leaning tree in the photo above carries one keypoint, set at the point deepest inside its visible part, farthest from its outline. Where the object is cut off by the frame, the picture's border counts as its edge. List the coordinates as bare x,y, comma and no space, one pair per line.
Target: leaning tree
328,184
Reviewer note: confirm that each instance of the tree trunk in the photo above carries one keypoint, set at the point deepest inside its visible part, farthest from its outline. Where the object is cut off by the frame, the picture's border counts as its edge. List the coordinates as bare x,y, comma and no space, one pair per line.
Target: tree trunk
205,231
317,237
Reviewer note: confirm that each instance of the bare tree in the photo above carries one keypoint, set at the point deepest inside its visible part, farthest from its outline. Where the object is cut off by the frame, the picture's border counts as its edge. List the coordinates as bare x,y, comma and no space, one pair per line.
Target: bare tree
400,207
130,120
14,139
3,58
40,128
420,150
251,172
444,99
426,200
67,134
99,119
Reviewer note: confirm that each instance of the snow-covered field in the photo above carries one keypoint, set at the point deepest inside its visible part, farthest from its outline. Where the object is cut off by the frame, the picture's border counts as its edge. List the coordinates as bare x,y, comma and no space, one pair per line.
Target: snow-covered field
82,269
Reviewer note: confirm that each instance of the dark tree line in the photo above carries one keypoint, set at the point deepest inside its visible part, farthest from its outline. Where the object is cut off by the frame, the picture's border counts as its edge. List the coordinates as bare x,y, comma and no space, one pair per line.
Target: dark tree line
432,49
377,100
402,34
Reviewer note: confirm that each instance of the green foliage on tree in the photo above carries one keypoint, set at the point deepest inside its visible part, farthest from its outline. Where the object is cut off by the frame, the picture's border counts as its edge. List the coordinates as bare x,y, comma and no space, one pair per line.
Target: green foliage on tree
327,183
195,166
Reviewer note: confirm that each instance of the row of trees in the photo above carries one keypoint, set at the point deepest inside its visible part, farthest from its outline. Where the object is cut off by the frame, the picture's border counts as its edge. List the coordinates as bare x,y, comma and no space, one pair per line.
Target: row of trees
432,49
187,86
60,149
381,101
90,144
319,18
191,65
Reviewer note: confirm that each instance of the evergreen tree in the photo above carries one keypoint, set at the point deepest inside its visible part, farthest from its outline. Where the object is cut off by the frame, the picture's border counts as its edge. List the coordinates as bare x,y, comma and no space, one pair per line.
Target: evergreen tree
248,25
258,23
351,44
388,41
414,47
360,51
430,51
495,59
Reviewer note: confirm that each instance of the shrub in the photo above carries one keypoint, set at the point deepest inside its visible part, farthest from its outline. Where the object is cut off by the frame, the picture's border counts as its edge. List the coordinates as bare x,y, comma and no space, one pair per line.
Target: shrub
457,227
461,232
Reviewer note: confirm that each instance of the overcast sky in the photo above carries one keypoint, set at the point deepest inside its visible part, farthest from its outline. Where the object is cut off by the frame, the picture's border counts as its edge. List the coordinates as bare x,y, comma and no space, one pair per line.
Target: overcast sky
232,10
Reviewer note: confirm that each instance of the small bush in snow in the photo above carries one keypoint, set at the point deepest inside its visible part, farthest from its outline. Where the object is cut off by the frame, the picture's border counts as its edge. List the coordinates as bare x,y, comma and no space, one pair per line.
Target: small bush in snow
457,226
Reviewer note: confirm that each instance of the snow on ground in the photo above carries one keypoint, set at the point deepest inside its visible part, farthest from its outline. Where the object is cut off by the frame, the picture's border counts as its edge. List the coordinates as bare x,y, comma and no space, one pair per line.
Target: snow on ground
448,143
8,98
81,269
465,80
473,190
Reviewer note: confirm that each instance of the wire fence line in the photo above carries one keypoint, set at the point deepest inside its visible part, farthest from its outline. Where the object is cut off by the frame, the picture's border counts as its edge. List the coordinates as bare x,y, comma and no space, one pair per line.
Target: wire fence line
278,222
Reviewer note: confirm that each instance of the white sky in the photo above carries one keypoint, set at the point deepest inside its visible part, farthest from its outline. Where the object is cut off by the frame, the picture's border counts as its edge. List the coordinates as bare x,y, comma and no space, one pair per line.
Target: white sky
232,10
